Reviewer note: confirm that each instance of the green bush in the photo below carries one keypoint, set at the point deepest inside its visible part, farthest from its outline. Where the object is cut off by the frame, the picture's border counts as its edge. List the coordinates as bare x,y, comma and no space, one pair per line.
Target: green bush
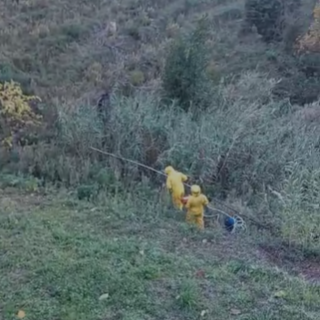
185,78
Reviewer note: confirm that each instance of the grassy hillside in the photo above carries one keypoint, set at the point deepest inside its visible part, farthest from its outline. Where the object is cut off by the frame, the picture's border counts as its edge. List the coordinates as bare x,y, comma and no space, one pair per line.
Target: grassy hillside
243,124
68,51
59,256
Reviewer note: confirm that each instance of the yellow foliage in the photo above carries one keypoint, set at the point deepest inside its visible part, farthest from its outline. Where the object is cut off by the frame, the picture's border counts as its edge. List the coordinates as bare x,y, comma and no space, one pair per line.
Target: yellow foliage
15,111
310,42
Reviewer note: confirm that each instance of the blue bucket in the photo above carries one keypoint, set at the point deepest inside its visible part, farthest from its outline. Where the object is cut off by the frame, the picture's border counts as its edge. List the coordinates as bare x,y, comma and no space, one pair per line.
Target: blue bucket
229,223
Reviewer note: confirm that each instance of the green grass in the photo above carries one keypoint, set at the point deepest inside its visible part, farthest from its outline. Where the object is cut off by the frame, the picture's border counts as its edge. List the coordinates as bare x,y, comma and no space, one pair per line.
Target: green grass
58,256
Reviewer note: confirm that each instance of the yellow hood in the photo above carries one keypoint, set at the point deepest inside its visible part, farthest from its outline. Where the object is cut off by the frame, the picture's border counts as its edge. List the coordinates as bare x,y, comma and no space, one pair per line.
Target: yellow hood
168,170
195,190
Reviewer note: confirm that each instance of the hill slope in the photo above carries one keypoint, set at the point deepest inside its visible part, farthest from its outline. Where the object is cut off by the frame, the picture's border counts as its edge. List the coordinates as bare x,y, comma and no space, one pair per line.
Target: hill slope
59,256
66,50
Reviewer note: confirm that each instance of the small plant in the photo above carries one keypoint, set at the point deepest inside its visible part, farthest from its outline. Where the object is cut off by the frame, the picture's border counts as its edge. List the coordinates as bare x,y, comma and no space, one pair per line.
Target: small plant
188,296
137,78
94,73
185,78
16,113
87,192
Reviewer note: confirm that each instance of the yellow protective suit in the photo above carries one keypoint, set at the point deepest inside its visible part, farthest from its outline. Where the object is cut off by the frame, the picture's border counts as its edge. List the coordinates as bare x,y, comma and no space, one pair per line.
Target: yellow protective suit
195,207
175,185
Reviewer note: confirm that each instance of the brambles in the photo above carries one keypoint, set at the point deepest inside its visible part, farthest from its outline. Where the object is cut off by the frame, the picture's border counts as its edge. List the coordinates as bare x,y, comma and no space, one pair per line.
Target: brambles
16,113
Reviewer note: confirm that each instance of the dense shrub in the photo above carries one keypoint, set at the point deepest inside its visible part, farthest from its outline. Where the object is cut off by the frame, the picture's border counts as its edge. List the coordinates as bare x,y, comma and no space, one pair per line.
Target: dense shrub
185,78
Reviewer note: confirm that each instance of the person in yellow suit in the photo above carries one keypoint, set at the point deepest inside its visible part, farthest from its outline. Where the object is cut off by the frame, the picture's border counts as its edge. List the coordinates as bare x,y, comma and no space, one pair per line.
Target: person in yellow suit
175,185
195,206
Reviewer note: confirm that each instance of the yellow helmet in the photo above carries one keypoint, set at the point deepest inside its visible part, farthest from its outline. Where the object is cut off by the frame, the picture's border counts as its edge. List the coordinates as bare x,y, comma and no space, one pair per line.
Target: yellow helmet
195,189
168,170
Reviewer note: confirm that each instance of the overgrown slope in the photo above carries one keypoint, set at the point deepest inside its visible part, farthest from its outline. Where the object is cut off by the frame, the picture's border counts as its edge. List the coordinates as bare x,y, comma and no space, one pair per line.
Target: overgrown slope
255,146
67,51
